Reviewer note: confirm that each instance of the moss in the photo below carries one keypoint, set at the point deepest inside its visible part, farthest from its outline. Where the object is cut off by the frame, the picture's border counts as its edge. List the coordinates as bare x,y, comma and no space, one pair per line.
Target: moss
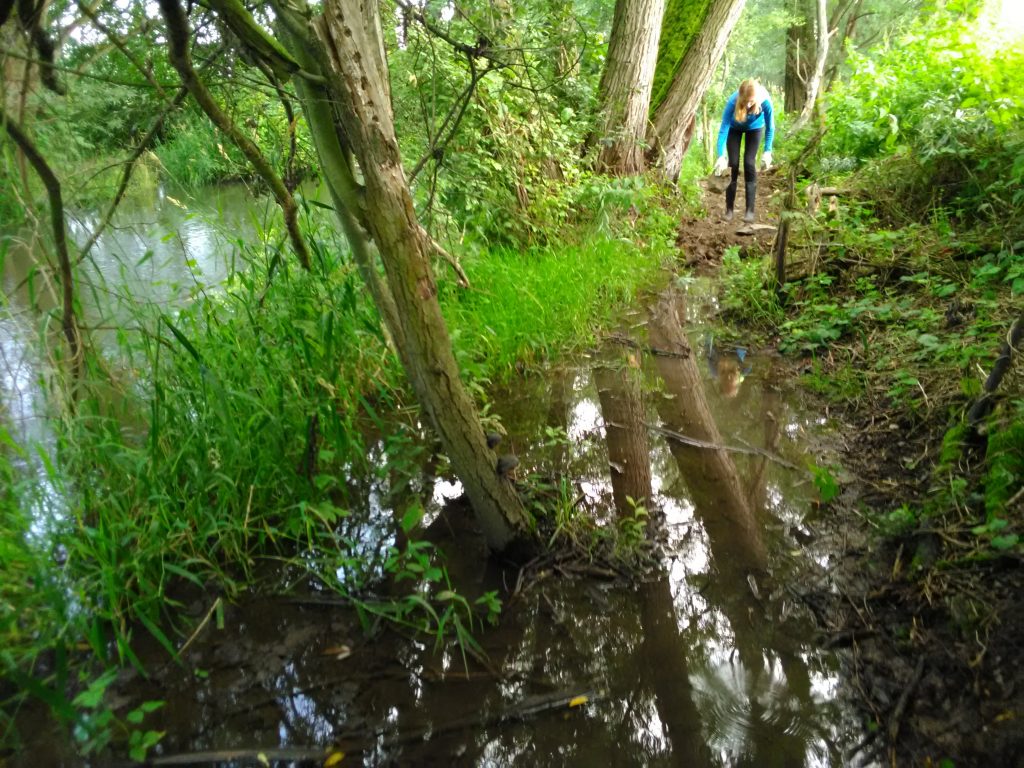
952,446
683,20
1005,457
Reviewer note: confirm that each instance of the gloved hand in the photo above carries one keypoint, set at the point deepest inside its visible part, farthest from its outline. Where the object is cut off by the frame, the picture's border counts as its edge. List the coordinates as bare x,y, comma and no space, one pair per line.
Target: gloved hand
766,160
721,164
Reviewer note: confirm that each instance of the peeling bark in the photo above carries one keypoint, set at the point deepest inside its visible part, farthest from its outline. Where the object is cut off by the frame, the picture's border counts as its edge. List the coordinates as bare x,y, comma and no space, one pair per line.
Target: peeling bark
353,44
816,75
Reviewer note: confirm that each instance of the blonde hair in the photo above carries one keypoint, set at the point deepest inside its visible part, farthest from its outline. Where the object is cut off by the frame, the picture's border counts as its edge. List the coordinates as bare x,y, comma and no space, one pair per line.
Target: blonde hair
747,92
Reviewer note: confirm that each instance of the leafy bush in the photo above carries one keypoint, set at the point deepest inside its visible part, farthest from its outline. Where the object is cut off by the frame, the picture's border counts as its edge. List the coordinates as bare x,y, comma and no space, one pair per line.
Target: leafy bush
940,103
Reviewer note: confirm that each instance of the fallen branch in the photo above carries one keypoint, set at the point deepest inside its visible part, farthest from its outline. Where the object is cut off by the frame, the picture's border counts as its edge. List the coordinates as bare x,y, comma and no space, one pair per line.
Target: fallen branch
693,441
626,341
452,262
528,707
983,405
901,704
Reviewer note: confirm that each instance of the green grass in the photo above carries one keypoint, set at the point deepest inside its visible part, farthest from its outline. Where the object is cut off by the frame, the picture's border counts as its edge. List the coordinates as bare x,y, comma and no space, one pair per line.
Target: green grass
526,306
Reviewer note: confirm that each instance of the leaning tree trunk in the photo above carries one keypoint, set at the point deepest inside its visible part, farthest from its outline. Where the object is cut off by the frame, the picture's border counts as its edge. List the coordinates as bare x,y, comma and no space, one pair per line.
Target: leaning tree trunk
625,89
814,78
671,129
358,78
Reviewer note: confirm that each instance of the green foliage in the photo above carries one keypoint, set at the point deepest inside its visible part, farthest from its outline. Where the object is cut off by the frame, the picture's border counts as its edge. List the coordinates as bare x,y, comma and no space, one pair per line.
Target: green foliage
631,530
938,103
825,481
97,725
499,178
527,304
433,608
250,399
195,154
1005,463
747,292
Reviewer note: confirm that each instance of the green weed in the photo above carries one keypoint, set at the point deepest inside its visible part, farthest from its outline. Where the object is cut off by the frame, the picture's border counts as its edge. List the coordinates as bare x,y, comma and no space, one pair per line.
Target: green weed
747,292
526,305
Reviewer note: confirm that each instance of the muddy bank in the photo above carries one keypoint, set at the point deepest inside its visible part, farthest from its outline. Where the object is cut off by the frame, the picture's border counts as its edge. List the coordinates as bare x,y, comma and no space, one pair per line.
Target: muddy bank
932,621
929,622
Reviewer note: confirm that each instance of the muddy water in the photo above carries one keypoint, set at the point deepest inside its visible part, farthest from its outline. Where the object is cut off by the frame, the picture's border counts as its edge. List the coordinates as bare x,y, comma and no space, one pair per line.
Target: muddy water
706,662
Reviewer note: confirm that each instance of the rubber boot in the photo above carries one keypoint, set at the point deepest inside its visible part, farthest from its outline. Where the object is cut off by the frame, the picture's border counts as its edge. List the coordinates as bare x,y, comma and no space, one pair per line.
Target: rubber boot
730,200
751,198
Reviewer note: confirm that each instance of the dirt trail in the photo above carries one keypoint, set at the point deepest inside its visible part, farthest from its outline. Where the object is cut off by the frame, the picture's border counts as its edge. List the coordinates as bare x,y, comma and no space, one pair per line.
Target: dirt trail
703,240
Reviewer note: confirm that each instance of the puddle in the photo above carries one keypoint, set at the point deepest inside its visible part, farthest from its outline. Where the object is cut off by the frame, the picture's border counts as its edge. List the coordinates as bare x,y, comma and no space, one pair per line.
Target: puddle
707,663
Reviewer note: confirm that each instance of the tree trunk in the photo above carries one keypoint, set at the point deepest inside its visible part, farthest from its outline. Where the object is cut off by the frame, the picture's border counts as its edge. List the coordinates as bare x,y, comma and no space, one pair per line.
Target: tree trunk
672,127
814,78
69,323
358,78
625,89
799,47
844,21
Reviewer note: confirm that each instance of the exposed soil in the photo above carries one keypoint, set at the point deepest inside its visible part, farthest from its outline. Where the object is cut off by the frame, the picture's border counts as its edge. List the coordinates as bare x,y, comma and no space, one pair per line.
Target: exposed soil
703,240
932,622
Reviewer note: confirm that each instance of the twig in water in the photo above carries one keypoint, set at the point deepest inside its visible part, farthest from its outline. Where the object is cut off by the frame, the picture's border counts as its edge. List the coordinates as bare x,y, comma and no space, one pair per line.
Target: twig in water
202,624
687,440
901,704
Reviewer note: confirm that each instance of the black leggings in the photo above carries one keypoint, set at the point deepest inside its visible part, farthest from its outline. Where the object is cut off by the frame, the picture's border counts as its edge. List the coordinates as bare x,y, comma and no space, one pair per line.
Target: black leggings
751,140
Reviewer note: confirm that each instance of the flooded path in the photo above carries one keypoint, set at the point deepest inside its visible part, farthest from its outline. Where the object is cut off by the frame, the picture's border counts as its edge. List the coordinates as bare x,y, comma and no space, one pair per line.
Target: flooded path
706,662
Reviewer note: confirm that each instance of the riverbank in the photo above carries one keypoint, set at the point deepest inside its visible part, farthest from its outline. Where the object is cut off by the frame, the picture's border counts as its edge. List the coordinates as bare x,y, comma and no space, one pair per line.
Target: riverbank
897,331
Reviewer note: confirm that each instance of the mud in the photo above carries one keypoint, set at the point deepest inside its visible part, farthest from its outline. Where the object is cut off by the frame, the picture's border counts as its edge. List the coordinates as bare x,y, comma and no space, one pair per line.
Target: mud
703,239
930,624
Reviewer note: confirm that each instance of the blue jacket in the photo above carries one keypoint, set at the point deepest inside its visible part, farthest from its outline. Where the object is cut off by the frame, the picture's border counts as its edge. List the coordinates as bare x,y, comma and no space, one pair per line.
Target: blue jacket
764,120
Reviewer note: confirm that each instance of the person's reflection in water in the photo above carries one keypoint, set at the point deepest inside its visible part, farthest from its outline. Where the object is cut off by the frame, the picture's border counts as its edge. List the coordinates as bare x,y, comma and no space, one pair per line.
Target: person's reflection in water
728,367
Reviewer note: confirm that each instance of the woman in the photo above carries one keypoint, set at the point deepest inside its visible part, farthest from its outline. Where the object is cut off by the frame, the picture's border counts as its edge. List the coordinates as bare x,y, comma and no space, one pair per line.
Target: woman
747,115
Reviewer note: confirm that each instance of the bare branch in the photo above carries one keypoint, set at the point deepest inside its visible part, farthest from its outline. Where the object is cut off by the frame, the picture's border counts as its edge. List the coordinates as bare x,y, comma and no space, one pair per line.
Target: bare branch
481,49
142,146
177,33
90,13
454,117
53,191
